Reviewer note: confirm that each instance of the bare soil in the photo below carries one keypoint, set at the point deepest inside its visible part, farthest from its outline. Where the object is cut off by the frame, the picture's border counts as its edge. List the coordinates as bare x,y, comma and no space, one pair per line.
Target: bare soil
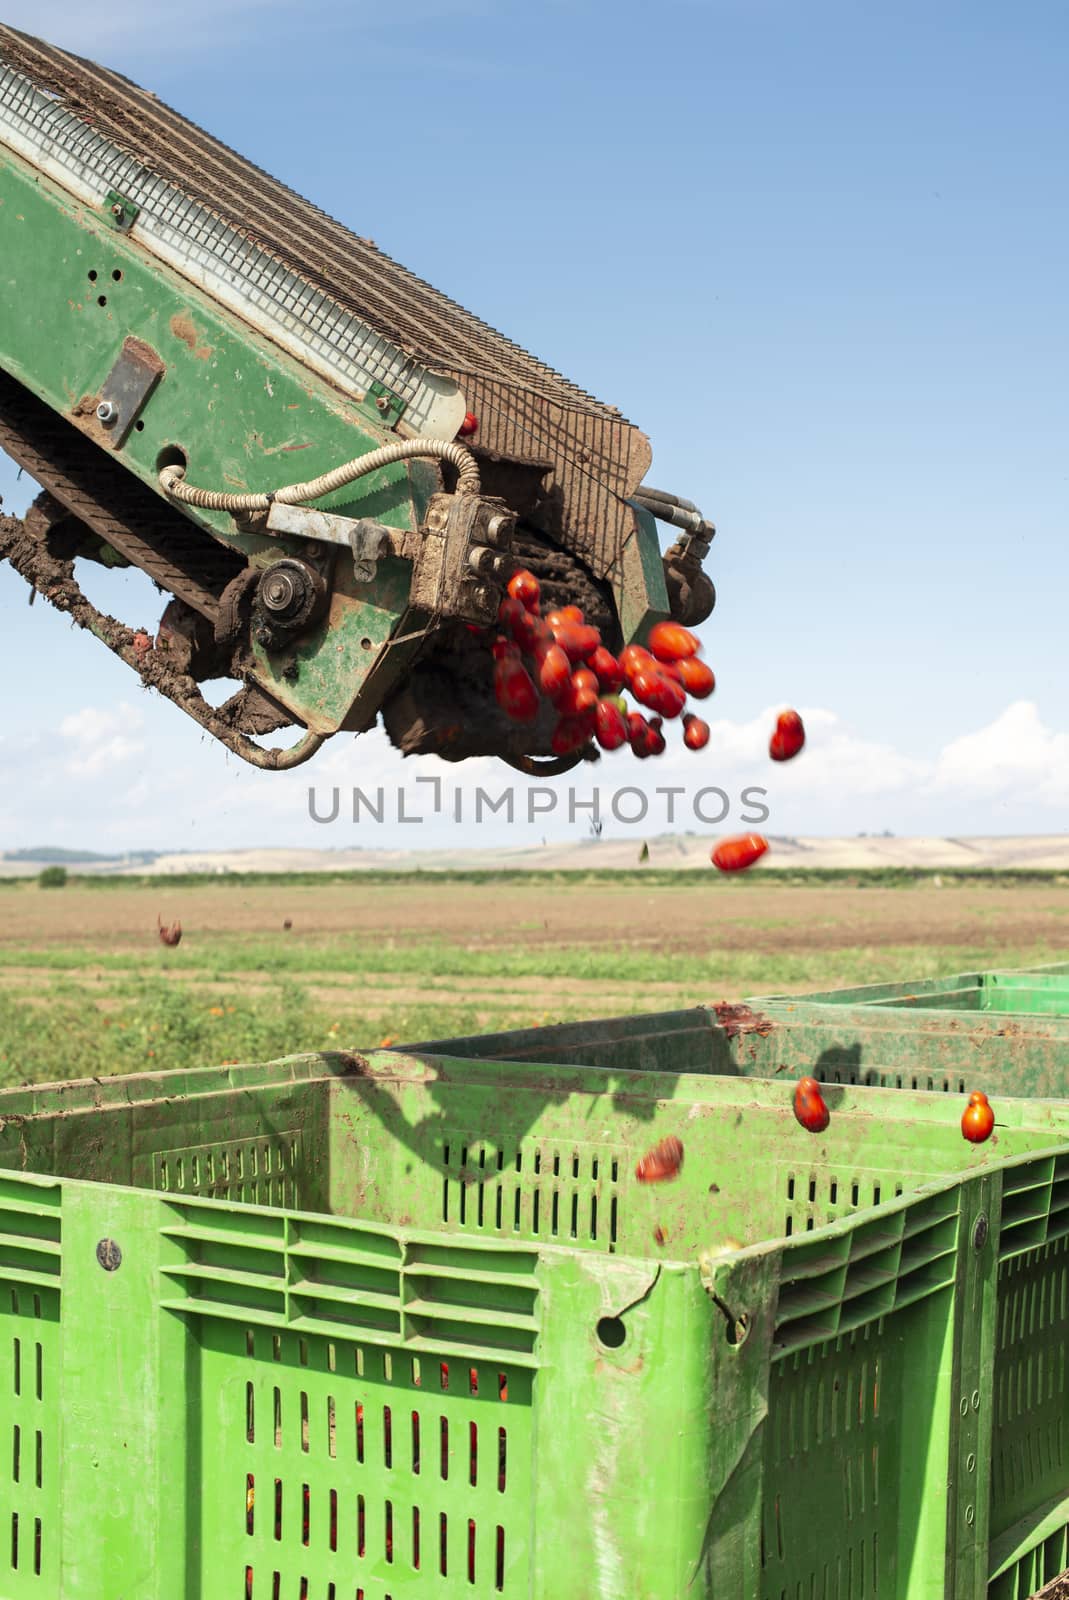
705,916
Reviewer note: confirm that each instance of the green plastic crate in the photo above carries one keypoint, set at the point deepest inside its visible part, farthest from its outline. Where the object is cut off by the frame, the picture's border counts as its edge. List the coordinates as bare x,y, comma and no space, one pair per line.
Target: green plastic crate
1004,1032
1027,991
350,1328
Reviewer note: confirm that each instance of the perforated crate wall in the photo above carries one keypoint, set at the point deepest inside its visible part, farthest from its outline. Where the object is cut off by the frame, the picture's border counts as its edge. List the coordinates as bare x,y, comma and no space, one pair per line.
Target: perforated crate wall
563,1190
262,1170
334,1463
30,1256
487,1389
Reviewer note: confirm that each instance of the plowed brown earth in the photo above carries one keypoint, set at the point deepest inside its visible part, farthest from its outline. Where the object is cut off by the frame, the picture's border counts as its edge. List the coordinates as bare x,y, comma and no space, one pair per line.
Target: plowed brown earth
697,917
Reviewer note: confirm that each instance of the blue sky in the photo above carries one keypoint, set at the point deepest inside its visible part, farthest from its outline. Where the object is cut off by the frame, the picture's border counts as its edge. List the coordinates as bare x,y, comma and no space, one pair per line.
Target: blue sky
818,253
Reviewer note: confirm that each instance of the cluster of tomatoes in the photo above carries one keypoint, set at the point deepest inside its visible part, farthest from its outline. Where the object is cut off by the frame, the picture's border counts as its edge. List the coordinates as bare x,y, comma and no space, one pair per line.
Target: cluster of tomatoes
560,657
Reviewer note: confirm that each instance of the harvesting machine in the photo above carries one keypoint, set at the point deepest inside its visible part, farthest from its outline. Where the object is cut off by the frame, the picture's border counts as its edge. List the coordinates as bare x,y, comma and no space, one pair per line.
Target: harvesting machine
328,467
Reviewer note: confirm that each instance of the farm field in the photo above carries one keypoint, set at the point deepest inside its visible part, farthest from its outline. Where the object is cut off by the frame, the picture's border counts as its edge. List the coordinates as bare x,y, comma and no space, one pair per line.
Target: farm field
87,988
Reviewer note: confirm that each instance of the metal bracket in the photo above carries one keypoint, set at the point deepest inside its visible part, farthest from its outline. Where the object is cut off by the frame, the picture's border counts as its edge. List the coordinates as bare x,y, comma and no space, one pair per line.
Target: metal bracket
125,390
121,212
460,557
382,404
368,540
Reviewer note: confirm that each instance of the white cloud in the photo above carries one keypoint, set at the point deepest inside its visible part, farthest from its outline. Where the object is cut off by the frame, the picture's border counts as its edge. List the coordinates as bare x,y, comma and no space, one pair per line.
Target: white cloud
140,776
845,782
839,758
102,740
1013,753
92,723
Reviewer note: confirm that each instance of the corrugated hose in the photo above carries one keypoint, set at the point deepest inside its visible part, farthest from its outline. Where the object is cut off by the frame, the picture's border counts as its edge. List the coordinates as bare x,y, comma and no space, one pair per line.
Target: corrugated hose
172,478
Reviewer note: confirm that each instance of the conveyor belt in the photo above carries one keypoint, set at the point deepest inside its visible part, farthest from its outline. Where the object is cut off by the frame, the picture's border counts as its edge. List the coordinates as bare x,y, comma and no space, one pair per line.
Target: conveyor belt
174,552
525,409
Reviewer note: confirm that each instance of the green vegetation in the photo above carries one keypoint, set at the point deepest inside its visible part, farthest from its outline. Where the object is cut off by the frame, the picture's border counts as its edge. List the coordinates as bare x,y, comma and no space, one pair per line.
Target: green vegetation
68,1012
52,878
275,965
694,878
229,958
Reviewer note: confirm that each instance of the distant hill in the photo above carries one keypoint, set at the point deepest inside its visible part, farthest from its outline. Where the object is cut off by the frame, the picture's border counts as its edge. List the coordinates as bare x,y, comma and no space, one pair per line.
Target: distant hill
52,855
682,851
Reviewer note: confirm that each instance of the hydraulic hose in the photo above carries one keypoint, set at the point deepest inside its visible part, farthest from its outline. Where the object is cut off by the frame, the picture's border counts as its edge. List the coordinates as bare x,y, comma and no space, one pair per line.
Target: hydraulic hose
678,516
172,479
645,493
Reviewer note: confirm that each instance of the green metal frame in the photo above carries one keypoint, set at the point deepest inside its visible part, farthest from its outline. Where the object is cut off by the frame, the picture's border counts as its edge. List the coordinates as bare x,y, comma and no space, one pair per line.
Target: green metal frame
244,414
247,417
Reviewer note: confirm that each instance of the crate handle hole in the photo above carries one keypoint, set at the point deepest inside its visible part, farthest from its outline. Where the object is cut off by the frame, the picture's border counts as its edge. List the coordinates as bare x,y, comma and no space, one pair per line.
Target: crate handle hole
738,1329
611,1332
109,1255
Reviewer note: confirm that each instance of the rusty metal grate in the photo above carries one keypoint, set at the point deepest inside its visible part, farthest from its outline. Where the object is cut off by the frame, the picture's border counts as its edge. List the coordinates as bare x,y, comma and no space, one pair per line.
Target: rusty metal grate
526,409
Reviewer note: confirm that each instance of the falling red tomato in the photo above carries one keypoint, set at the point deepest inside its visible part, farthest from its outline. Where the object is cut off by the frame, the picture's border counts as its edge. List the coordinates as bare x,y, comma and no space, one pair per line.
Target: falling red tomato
739,852
610,673
670,641
696,678
809,1105
563,614
695,732
525,587
576,639
553,668
514,691
978,1119
610,729
653,689
662,1162
578,695
633,658
521,624
788,737
639,732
